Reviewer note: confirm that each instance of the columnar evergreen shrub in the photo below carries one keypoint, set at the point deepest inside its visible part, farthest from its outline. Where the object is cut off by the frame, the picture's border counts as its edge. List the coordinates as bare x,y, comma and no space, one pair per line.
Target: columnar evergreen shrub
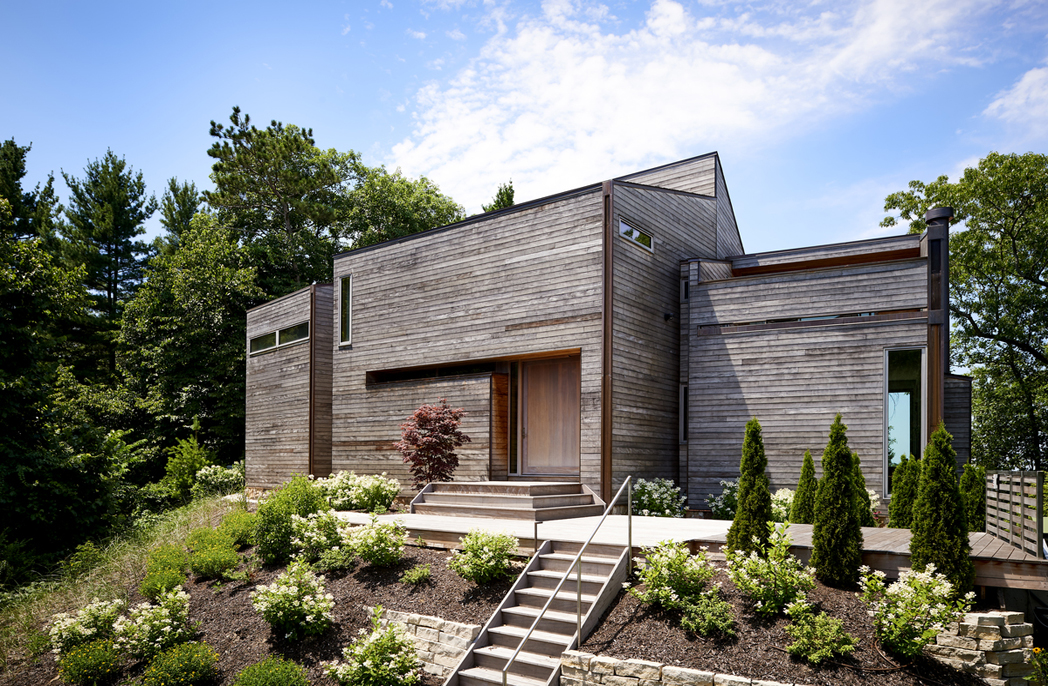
973,490
836,536
428,441
905,479
273,520
940,527
863,501
803,510
754,510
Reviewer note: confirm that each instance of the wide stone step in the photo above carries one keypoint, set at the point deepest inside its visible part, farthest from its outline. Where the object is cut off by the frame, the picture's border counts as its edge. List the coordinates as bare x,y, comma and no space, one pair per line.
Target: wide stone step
482,676
564,602
527,664
532,488
561,562
500,512
509,499
540,642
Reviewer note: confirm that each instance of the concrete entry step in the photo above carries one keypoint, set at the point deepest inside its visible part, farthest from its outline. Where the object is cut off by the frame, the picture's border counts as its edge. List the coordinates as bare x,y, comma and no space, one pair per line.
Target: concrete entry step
536,501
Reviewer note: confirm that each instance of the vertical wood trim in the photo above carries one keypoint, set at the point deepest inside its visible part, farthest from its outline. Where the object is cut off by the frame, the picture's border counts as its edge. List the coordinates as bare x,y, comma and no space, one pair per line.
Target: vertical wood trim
311,441
606,406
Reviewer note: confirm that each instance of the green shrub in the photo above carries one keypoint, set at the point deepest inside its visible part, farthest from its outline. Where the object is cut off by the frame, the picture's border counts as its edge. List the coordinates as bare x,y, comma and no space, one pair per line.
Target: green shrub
485,556
273,520
185,459
165,569
86,557
337,559
239,525
152,629
973,489
657,498
754,508
419,574
215,480
781,505
671,575
93,622
296,604
91,664
816,638
379,543
803,510
273,671
707,614
940,528
205,537
774,581
188,664
156,498
863,501
906,477
723,506
214,563
383,657
836,533
312,535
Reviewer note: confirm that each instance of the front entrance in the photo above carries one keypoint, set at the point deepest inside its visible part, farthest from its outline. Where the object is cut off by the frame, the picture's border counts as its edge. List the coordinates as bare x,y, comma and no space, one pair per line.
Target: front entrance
549,416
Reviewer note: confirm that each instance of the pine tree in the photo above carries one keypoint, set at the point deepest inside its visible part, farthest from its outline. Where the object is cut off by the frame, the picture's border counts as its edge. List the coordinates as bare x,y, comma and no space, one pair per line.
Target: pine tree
863,505
836,536
754,509
973,489
905,479
803,511
940,528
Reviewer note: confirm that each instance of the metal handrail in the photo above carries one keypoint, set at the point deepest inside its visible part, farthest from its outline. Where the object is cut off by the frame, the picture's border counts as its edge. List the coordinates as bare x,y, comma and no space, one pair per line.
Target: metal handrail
577,564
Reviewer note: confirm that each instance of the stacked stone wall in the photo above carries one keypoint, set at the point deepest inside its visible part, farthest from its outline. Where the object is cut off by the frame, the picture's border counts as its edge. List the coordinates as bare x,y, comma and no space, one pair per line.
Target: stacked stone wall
440,643
585,669
994,645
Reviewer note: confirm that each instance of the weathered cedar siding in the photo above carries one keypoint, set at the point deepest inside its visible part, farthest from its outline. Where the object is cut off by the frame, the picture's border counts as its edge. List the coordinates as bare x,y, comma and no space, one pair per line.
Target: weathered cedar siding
499,430
832,251
322,335
696,175
729,242
277,410
958,415
645,355
525,282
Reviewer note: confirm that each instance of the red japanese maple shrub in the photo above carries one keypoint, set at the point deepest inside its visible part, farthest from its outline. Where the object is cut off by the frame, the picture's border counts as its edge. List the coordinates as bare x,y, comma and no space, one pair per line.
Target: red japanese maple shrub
428,441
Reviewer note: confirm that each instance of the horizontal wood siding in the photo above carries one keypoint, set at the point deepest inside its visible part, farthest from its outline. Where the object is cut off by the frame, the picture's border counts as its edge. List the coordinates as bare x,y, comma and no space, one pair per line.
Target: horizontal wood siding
277,398
323,337
958,415
692,176
863,288
729,242
646,347
520,283
499,468
794,381
368,449
832,251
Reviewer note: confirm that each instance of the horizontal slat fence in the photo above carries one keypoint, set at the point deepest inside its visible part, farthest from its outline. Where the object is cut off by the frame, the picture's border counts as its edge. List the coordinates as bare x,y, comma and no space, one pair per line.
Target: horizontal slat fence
1014,509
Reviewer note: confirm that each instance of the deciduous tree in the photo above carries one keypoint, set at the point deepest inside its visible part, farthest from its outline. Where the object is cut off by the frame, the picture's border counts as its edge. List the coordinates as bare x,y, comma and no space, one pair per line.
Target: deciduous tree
428,441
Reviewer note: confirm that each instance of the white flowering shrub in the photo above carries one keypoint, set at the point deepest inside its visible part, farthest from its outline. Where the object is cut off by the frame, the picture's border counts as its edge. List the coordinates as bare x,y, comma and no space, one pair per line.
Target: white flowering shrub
657,498
485,556
316,533
382,657
295,604
92,623
774,581
910,613
875,501
781,502
379,543
218,480
723,506
152,629
671,576
348,491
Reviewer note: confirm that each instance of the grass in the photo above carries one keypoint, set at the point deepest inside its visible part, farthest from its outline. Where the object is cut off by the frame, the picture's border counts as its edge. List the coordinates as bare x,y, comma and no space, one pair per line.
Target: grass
25,612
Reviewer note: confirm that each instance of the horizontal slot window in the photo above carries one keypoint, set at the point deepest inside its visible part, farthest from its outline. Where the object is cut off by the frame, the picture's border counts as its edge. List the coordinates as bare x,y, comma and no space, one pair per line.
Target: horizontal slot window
637,236
393,375
276,339
260,343
294,333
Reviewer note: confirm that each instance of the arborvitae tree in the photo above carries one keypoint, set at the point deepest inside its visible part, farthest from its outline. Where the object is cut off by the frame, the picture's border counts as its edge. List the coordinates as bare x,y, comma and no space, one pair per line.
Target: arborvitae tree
905,479
863,506
940,528
973,489
836,536
754,509
803,510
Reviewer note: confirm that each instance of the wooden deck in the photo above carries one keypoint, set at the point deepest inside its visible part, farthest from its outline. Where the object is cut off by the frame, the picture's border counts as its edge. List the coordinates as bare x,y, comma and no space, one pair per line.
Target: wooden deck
997,564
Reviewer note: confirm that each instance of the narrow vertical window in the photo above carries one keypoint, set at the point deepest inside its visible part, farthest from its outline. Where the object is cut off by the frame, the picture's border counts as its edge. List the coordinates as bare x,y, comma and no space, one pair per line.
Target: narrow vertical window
683,429
345,310
903,407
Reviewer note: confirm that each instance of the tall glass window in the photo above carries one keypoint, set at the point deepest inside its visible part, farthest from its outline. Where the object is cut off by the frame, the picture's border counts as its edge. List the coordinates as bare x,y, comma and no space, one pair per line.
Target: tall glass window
903,406
345,310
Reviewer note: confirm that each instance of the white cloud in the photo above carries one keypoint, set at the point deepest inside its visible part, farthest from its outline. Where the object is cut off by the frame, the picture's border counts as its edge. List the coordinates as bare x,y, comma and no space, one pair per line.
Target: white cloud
456,35
1025,105
387,4
346,29
436,64
420,35
558,100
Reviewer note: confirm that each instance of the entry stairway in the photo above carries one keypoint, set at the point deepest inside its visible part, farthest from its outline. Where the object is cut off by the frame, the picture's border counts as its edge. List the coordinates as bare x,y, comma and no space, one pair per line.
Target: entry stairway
539,501
603,569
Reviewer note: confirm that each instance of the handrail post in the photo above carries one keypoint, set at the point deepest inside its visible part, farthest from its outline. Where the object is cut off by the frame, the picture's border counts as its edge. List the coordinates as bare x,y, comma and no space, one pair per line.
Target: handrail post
578,599
629,526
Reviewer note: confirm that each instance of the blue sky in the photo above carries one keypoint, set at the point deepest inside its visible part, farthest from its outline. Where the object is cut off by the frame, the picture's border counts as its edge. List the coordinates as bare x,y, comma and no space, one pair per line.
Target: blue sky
818,109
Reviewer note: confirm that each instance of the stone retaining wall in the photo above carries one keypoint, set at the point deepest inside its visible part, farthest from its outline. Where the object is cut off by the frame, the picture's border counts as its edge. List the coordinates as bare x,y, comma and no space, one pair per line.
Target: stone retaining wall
994,645
585,669
440,643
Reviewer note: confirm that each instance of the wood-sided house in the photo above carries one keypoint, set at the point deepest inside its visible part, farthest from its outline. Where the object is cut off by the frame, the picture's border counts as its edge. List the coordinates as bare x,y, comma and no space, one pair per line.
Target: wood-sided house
614,329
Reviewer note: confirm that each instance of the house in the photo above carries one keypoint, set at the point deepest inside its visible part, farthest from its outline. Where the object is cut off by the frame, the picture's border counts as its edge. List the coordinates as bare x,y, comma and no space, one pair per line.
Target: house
618,328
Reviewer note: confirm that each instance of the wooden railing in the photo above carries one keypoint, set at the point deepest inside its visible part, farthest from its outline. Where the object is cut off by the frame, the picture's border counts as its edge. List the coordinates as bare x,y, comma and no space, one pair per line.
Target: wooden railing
1015,508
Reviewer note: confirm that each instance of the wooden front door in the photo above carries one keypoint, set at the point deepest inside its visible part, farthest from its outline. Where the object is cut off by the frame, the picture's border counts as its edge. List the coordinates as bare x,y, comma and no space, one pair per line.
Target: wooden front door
550,416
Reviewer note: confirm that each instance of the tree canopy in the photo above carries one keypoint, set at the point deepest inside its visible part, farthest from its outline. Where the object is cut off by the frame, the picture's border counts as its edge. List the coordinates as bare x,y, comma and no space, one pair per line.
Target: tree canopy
503,198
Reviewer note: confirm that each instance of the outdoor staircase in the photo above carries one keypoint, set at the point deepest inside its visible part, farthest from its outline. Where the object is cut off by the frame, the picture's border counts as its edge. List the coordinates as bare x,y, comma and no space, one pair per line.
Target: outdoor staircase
538,501
604,568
